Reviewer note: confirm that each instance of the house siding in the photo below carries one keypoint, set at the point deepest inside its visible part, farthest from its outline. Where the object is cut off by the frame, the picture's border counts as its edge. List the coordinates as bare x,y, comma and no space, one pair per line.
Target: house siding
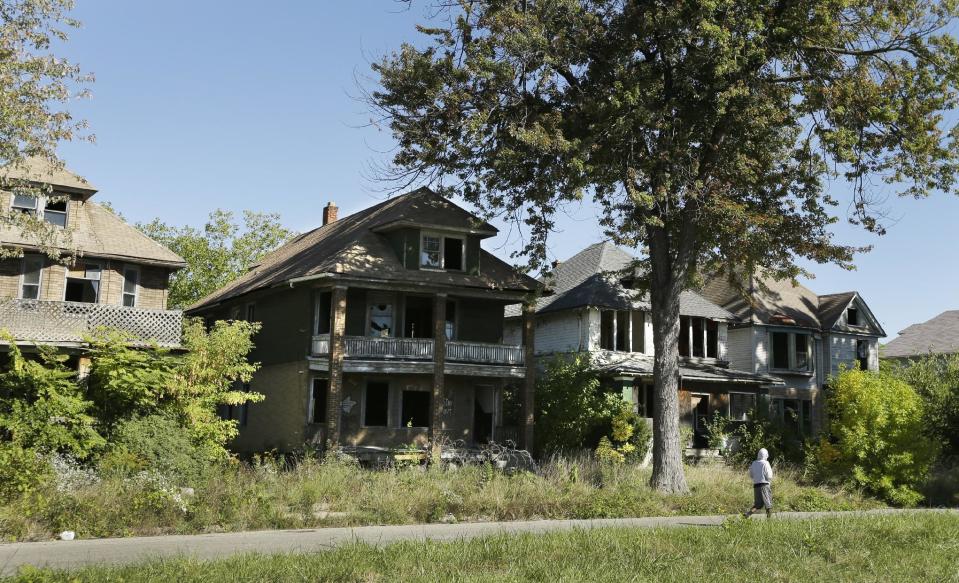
278,422
739,351
10,278
842,351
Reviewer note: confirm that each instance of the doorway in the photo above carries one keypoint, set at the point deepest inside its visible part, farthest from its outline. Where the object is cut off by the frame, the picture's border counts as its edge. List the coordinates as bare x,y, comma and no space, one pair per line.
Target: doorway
700,403
484,414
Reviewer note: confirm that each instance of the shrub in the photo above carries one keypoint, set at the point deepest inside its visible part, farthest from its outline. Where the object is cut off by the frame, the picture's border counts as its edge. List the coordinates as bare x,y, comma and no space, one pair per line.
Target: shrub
21,470
936,378
876,436
159,443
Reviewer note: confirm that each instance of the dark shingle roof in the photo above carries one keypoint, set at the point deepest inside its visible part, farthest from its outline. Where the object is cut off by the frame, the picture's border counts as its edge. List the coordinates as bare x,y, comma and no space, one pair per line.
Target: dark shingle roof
591,278
939,335
352,247
632,363
831,307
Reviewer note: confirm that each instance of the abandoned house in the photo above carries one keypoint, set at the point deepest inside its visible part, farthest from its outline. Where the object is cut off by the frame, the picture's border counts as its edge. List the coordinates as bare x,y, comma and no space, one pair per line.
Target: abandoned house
381,329
593,309
799,337
109,275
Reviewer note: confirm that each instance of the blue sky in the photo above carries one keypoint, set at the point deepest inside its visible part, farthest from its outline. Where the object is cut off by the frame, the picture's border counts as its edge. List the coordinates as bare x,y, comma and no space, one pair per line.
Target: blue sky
252,105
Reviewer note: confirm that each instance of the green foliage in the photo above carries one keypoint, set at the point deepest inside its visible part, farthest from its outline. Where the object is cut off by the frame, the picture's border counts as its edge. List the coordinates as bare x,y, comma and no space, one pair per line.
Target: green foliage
158,443
936,378
629,438
876,437
217,254
572,409
35,89
126,383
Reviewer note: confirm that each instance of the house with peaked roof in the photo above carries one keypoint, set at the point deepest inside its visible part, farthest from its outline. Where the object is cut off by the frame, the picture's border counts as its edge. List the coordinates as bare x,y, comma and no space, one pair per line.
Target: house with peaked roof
802,338
381,329
594,310
939,335
109,274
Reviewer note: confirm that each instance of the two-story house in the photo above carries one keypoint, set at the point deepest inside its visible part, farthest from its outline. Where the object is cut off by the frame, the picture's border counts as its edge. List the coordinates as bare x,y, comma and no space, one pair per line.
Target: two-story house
594,310
380,329
109,274
802,338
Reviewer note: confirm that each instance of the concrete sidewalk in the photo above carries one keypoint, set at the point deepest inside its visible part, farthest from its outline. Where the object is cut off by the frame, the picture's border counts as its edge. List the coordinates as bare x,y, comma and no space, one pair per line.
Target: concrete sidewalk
77,553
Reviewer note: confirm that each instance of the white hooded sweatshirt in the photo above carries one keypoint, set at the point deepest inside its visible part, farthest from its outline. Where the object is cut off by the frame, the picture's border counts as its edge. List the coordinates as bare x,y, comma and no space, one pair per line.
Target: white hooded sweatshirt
760,471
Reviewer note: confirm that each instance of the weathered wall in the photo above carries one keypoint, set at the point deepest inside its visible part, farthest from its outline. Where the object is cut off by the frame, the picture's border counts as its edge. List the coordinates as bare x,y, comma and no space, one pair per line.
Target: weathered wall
842,351
10,278
277,422
286,316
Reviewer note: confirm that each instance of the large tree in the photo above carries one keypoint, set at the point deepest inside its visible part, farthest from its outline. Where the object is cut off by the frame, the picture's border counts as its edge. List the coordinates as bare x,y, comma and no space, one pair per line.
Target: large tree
35,87
219,253
709,131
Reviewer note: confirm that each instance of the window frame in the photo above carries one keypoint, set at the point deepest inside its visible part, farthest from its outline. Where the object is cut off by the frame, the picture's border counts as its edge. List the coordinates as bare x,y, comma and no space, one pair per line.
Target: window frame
442,251
791,351
23,275
129,267
86,267
65,212
429,409
855,311
311,405
729,408
363,404
39,209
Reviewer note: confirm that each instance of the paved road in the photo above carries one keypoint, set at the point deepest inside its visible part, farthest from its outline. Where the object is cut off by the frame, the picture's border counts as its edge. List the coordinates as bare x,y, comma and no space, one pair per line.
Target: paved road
77,553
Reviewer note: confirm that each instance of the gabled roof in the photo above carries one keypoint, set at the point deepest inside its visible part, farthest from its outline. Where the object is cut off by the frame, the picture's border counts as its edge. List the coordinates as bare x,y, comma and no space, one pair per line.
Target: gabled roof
940,335
41,171
779,302
424,208
353,247
592,278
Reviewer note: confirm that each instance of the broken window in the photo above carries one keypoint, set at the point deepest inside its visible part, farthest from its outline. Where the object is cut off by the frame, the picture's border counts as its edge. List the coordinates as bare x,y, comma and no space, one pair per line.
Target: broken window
381,319
318,401
712,339
431,254
32,273
83,283
25,203
801,343
453,253
791,351
415,408
741,405
55,212
607,319
376,405
622,330
324,302
852,317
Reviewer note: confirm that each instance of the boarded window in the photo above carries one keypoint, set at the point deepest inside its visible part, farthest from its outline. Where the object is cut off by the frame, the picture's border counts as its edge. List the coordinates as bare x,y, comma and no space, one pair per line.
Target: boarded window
318,401
416,408
376,413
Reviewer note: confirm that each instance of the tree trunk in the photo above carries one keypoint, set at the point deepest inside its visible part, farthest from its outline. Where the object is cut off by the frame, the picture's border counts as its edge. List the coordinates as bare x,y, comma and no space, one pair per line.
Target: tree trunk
666,284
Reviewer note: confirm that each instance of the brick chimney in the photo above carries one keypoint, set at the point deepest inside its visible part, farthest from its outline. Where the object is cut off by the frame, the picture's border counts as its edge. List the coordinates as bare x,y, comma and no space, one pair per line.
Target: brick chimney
329,213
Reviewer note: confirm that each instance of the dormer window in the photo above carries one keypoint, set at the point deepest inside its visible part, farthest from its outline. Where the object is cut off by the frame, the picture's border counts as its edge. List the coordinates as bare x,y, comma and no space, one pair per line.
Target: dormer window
852,317
442,252
53,211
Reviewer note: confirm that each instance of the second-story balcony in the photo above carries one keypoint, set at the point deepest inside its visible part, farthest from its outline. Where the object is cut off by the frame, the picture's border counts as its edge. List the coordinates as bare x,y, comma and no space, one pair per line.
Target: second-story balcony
52,322
421,349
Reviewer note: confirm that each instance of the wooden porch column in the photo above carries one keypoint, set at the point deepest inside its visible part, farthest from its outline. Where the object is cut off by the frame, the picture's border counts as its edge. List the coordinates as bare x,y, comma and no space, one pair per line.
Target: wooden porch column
334,407
439,373
529,386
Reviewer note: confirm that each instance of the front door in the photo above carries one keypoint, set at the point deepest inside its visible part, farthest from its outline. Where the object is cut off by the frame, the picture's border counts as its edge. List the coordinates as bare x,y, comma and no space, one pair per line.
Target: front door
484,415
700,420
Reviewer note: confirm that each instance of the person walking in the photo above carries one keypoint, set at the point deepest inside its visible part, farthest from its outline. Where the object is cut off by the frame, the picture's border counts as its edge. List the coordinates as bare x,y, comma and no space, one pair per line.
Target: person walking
762,475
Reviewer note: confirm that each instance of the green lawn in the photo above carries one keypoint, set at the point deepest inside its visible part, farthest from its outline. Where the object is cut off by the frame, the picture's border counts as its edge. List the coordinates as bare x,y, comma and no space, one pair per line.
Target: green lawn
919,547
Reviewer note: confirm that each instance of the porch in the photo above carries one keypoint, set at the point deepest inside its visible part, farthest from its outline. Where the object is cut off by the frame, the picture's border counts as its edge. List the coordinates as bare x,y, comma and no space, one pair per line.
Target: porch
421,349
71,323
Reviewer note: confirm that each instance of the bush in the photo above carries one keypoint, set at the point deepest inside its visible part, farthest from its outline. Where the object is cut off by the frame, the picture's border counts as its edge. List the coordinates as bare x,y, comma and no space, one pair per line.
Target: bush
158,443
21,470
876,436
936,378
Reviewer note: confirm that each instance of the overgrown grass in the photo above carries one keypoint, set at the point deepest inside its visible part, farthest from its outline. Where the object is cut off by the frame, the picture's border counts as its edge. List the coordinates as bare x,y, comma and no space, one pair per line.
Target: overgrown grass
919,547
338,494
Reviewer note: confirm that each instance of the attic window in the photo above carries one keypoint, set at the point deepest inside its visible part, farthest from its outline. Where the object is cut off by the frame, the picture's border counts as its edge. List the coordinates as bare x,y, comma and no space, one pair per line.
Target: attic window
852,317
442,252
52,211
25,203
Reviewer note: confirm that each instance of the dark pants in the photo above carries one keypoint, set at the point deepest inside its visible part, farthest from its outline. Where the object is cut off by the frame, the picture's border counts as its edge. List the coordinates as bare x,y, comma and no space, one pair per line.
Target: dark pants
762,496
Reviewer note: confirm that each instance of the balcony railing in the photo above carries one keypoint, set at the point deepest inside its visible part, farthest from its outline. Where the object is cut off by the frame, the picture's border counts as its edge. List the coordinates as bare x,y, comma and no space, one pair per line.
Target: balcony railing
73,322
422,349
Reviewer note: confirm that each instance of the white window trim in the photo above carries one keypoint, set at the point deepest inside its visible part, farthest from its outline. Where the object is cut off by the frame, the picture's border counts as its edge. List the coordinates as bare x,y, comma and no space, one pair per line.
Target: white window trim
23,273
136,287
729,404
401,422
310,400
791,348
100,267
41,207
442,238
